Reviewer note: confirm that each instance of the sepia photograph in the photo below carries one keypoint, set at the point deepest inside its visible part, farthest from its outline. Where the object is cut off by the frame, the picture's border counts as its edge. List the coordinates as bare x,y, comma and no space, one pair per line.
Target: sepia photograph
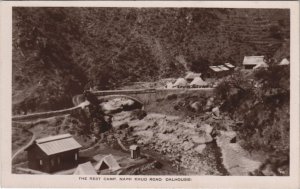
163,91
171,92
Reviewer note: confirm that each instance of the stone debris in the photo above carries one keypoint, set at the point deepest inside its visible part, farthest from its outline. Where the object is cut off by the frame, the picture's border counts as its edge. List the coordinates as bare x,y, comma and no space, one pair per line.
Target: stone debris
196,106
207,128
216,112
170,136
200,148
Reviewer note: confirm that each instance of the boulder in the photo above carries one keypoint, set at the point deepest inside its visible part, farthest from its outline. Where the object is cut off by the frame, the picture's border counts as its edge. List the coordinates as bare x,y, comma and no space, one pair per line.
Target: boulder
196,106
187,145
200,148
138,114
168,129
167,138
283,170
216,111
207,128
209,103
202,139
171,96
145,136
123,126
267,171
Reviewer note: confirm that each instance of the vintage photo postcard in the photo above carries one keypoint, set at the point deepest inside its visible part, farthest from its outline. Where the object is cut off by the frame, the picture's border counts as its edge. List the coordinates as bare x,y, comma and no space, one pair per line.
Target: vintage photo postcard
150,94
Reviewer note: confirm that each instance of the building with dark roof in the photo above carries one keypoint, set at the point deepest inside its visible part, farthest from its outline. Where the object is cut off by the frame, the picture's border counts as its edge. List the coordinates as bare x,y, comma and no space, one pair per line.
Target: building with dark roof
53,153
214,71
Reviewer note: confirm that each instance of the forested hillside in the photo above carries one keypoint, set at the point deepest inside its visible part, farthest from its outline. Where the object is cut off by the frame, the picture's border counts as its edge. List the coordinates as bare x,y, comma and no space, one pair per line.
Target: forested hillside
58,52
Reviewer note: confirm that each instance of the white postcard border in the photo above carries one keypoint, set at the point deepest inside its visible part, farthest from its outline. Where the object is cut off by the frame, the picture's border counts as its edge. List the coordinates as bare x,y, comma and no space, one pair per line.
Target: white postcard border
13,180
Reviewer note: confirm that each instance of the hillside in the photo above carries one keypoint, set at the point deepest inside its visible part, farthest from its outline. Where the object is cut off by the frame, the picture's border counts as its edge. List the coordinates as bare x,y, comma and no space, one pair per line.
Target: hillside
58,52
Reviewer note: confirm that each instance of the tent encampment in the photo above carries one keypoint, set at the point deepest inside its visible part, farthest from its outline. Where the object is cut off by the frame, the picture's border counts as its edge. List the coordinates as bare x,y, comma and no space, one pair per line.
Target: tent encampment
85,169
181,82
107,162
198,82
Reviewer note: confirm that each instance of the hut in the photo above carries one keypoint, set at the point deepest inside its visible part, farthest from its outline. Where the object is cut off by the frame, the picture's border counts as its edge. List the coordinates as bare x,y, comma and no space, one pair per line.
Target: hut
225,70
190,76
53,153
107,162
198,82
180,83
284,62
214,71
134,151
250,62
85,169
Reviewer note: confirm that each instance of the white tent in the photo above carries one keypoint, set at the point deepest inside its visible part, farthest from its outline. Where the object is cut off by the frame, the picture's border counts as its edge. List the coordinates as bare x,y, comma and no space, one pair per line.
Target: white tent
181,82
192,75
169,85
198,82
85,169
108,162
284,62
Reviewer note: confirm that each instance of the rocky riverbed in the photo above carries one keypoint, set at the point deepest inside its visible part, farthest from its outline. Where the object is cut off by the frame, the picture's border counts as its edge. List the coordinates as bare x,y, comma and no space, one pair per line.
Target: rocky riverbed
193,148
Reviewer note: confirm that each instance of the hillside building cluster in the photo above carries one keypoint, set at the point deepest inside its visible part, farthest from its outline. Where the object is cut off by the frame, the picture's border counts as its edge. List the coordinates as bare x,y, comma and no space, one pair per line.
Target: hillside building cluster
195,80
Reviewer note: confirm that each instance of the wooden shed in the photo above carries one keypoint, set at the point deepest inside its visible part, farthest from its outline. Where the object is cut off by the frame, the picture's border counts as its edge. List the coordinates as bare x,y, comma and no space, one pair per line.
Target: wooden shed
53,153
214,72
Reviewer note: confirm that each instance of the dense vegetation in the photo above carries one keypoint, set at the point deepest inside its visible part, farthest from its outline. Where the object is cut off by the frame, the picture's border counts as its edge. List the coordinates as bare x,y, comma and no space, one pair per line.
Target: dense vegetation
58,52
261,99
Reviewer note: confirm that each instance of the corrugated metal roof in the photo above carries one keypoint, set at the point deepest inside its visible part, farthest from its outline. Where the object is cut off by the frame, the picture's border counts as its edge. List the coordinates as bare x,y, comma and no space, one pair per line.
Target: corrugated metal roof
224,68
133,147
215,68
229,65
50,138
253,60
57,144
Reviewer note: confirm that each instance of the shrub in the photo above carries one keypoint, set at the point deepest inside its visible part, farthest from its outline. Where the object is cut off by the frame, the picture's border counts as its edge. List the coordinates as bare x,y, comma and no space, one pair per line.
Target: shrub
171,96
138,114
